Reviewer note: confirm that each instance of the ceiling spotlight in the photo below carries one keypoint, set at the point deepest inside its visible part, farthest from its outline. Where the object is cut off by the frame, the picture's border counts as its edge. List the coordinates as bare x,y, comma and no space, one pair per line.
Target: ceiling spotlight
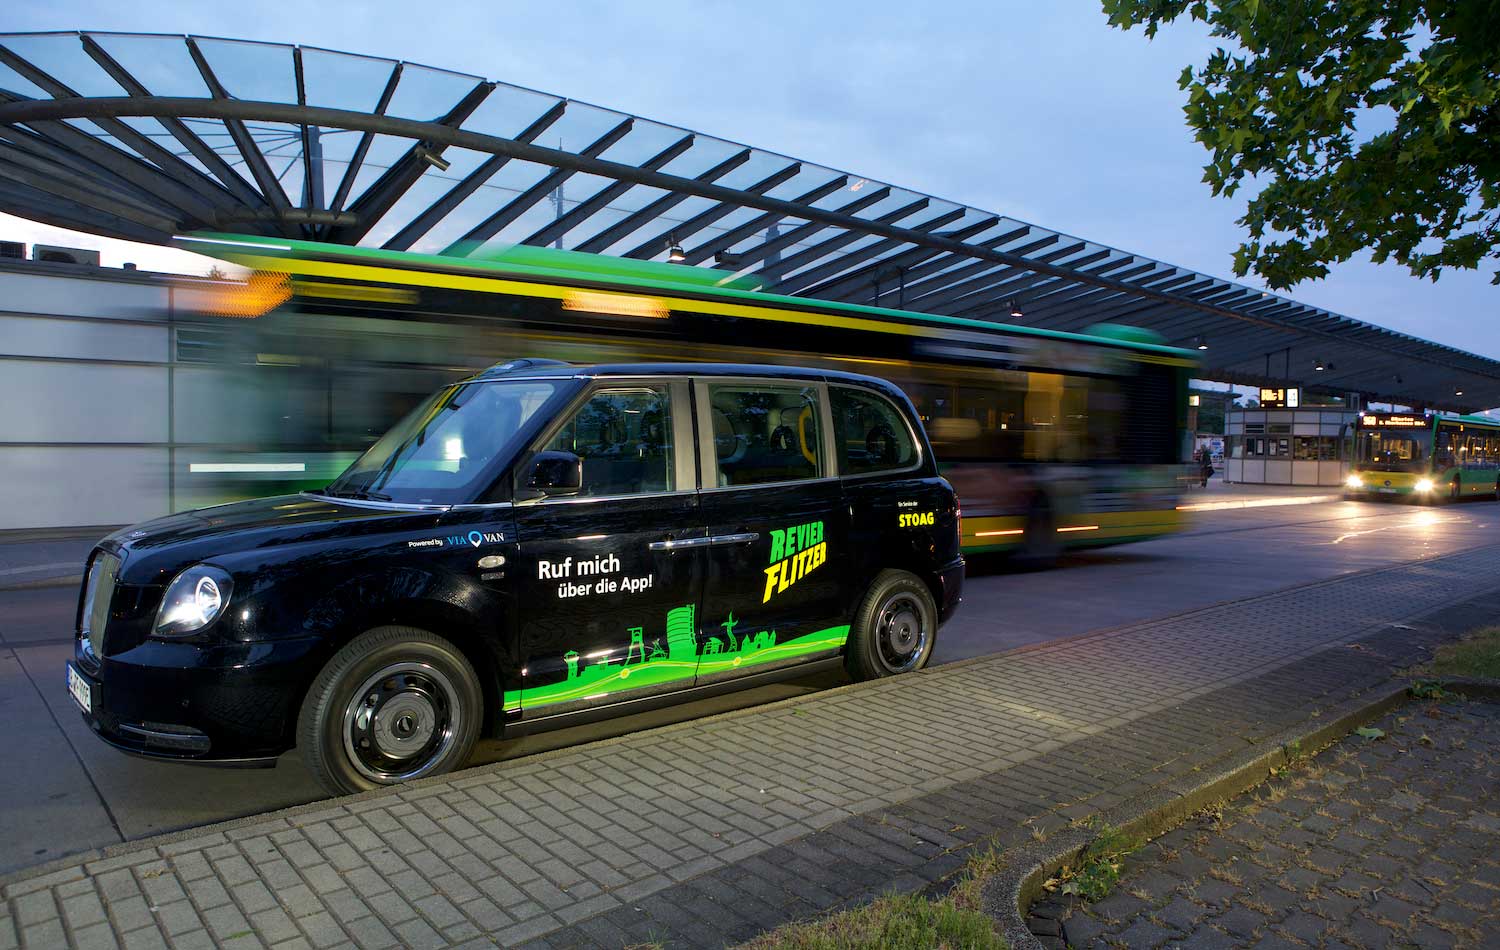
1458,392
675,254
1200,343
1015,309
1318,365
432,158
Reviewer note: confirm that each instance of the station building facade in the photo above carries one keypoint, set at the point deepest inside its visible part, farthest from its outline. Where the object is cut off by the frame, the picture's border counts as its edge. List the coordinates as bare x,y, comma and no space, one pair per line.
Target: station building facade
1281,446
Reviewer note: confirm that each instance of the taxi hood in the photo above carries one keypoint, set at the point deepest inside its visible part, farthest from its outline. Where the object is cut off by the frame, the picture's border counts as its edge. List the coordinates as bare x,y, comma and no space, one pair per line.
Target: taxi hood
164,545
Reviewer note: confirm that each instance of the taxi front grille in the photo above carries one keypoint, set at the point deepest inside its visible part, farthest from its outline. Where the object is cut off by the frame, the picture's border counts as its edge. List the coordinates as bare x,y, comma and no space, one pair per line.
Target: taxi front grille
98,591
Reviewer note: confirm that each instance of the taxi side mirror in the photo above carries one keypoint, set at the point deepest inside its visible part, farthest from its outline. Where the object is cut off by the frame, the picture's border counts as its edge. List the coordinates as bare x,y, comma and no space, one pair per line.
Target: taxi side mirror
556,473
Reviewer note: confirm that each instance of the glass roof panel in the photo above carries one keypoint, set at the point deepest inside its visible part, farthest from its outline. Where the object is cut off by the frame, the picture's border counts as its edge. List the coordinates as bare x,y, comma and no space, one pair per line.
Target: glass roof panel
808,179
160,63
645,141
509,110
13,81
62,57
261,72
384,151
706,153
335,80
428,94
580,127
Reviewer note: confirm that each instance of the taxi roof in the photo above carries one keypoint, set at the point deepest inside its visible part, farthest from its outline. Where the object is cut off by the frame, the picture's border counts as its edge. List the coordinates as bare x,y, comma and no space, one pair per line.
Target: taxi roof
554,369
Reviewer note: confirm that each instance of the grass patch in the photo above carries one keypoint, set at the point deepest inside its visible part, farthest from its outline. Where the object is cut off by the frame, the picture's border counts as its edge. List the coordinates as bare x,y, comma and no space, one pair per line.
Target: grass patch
1477,654
1097,870
901,921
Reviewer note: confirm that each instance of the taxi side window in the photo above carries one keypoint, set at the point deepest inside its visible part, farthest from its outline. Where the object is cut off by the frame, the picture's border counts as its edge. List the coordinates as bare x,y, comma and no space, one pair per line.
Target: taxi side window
624,437
870,433
765,433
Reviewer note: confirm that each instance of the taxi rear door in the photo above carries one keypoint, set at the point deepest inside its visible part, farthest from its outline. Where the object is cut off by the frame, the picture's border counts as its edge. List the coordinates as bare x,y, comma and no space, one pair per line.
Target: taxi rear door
775,589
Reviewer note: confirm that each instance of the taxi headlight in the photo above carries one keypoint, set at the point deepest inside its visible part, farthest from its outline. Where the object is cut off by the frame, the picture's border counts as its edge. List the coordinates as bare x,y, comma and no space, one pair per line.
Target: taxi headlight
1424,484
194,599
1353,481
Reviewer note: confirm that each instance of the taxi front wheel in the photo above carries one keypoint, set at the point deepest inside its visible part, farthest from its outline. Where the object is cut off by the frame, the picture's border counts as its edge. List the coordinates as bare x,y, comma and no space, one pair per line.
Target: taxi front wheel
894,629
395,703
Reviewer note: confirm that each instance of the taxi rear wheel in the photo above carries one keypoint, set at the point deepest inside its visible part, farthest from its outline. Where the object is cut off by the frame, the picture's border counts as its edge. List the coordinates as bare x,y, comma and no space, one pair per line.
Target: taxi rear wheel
894,629
395,703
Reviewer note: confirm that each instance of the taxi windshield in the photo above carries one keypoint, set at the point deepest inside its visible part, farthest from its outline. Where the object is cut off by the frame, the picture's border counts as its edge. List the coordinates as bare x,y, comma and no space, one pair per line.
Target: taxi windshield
438,453
1385,451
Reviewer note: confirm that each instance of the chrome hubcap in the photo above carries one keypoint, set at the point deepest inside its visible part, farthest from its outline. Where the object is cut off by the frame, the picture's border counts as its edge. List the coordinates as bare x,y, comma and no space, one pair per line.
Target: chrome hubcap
400,722
900,633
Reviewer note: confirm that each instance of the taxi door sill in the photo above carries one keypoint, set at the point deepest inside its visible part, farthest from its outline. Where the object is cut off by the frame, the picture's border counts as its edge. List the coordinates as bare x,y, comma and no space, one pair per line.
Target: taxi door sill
628,707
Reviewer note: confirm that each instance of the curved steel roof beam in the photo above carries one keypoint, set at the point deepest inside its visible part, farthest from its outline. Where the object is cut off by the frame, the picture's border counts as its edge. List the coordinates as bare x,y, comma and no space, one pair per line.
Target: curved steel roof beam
656,209
397,180
600,199
434,213
523,202
270,187
842,269
682,230
280,112
812,255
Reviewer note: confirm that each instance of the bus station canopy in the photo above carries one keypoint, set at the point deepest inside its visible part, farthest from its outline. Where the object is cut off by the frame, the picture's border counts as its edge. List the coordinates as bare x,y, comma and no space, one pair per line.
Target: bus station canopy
147,137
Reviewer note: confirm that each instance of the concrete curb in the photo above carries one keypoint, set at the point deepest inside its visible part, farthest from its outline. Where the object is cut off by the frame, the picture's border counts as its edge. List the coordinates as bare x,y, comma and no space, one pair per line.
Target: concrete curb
1019,881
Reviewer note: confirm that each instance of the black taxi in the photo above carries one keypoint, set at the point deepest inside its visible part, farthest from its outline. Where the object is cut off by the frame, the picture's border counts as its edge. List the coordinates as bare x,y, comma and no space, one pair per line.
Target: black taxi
539,544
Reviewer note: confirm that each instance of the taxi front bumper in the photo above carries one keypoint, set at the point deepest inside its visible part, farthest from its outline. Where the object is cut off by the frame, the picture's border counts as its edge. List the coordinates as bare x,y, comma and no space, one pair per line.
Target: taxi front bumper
219,704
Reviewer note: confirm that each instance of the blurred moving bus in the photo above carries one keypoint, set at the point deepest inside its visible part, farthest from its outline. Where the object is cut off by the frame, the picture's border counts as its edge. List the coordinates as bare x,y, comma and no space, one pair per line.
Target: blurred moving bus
1424,456
1052,439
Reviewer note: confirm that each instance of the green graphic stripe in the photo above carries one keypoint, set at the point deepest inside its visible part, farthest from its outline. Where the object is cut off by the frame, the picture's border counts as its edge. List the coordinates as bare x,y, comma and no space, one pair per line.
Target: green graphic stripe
656,672
830,639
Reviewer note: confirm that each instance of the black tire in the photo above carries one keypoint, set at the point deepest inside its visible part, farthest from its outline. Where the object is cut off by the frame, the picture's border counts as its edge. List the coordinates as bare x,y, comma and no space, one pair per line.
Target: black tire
895,627
395,703
1040,547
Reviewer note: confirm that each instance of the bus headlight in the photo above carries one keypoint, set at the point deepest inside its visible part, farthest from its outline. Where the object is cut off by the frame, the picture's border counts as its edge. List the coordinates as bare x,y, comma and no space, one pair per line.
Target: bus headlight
194,599
1424,484
1353,481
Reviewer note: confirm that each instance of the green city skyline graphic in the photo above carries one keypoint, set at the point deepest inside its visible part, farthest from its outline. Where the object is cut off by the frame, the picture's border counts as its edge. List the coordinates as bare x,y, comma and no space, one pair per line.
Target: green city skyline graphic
599,675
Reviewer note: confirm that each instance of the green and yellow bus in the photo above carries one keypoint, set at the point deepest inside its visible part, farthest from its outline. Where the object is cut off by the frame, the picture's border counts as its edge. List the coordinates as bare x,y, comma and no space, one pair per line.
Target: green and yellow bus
1052,440
1424,456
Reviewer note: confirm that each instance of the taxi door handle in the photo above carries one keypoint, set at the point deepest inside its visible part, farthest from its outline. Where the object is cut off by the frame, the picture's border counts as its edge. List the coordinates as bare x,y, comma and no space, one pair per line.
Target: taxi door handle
680,544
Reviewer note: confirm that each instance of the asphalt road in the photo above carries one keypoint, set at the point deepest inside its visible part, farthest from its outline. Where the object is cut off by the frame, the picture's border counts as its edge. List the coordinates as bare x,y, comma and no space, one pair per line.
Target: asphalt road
64,791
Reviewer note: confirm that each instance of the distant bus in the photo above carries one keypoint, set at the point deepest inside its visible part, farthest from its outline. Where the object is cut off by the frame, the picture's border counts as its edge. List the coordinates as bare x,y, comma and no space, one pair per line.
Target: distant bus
1424,456
1053,440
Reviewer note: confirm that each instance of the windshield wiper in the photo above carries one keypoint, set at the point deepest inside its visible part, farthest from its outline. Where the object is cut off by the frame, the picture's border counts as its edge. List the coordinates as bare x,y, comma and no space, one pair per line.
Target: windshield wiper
363,494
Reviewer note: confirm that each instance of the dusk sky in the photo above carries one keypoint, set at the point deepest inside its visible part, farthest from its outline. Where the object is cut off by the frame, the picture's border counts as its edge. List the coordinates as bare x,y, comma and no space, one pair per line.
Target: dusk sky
1039,111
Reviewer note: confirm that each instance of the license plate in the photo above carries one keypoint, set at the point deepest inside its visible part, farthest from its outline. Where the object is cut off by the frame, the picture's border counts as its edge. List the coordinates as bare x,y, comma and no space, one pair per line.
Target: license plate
1386,491
82,694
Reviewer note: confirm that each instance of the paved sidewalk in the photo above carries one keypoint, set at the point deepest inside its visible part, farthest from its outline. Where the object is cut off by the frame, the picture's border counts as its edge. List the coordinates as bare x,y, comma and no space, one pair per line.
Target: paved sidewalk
711,831
1377,842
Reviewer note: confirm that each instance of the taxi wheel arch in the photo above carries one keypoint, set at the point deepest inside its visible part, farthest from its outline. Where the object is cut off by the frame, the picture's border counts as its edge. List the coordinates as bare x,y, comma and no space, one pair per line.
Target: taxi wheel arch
427,687
895,627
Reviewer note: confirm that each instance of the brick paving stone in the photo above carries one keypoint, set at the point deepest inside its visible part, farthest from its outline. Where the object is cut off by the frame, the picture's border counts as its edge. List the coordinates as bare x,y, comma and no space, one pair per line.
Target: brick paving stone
649,814
1406,898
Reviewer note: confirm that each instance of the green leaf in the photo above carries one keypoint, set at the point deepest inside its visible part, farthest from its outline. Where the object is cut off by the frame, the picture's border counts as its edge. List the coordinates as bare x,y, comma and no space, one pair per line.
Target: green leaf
1370,732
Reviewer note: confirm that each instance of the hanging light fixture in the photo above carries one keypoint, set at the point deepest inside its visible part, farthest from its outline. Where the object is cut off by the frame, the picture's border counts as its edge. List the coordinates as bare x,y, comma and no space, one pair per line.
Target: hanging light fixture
1200,342
1015,309
675,254
1318,365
